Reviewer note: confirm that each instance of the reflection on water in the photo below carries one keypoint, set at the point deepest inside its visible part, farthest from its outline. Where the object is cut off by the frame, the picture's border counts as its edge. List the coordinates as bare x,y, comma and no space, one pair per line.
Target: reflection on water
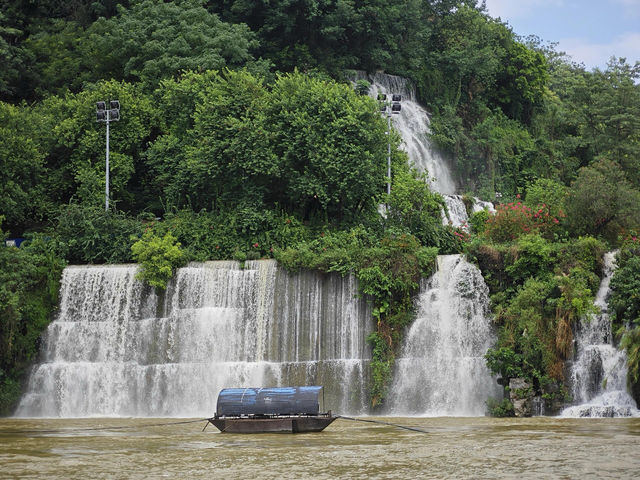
454,447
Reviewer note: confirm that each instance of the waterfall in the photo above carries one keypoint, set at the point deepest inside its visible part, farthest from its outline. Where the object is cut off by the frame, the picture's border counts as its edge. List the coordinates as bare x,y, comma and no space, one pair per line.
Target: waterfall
118,349
458,216
413,126
441,369
599,371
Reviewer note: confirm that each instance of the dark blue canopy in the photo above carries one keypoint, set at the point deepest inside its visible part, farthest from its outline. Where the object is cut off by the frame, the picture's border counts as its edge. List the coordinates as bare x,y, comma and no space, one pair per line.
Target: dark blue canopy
269,401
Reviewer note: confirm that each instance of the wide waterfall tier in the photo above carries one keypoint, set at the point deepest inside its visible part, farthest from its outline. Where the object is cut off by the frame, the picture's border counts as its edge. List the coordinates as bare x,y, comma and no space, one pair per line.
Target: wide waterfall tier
116,348
441,369
599,371
413,125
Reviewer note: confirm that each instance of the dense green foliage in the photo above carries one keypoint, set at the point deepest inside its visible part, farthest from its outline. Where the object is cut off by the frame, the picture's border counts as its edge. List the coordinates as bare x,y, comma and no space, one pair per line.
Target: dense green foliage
158,258
624,304
538,290
29,283
237,139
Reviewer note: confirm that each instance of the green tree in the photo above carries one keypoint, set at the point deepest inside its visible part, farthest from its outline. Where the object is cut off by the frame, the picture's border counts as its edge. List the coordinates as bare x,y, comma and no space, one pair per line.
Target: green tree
616,116
152,40
22,171
505,147
522,84
158,258
602,202
230,160
58,63
331,145
14,59
75,144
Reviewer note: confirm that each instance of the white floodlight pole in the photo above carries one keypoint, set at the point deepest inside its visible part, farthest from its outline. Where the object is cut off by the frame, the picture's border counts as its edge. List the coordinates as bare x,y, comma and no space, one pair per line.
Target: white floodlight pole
388,151
389,107
107,115
106,193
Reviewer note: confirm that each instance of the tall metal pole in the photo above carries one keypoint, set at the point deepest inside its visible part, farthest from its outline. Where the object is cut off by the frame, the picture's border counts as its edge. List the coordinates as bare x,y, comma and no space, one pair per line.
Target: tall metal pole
388,153
106,196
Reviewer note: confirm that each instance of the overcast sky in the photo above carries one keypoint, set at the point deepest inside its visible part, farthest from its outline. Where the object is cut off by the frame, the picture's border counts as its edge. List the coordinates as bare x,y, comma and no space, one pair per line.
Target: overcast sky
590,31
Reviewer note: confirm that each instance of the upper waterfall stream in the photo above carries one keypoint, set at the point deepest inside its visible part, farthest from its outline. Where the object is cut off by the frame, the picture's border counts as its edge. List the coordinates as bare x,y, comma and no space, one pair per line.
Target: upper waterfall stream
413,126
412,123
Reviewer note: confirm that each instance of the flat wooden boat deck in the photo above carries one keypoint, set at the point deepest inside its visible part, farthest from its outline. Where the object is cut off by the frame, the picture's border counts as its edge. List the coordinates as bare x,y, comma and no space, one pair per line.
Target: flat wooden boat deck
273,424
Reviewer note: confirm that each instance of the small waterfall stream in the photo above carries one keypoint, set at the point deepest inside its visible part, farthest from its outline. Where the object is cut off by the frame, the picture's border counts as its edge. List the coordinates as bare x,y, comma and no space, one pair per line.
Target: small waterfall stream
441,369
458,216
116,349
599,371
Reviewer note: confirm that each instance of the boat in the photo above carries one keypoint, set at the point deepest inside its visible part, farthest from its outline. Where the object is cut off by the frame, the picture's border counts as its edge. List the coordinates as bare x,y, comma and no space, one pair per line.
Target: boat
271,410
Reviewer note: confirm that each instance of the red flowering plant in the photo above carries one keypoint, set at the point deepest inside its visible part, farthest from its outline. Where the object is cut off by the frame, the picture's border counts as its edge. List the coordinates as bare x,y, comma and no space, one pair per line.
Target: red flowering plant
629,242
461,236
548,221
515,219
510,221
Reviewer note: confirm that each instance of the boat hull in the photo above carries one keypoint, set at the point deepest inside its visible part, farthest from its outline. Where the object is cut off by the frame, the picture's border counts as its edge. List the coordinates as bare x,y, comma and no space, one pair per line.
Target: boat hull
294,424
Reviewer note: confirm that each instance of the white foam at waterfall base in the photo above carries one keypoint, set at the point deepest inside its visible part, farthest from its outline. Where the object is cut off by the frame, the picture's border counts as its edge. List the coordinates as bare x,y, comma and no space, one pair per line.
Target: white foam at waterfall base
599,371
441,369
117,349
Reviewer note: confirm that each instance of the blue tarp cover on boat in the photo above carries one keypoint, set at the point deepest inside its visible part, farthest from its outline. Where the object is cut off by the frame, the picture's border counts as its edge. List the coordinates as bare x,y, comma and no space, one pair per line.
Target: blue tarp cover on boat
269,401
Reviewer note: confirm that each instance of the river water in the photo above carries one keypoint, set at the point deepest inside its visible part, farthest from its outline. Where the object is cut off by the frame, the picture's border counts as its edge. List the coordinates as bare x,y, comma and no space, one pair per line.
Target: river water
479,447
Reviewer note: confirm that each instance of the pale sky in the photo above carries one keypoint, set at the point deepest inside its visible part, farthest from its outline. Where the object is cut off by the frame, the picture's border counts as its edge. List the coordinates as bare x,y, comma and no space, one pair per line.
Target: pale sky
590,31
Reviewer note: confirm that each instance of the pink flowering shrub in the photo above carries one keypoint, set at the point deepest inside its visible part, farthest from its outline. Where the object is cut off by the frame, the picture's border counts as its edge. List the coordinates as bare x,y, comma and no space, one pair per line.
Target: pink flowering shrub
513,220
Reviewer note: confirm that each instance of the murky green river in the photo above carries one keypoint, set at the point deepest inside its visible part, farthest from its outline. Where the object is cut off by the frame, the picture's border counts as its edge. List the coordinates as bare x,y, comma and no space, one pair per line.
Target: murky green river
452,448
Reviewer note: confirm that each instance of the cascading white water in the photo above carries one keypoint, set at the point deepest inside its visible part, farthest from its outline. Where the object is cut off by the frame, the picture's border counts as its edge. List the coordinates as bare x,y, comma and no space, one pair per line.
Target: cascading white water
413,126
458,216
599,371
117,349
441,369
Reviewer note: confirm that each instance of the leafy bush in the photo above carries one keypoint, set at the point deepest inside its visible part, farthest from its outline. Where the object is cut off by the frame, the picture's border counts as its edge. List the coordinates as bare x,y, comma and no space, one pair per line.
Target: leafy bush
624,303
625,291
505,362
381,367
92,235
29,284
413,208
478,221
500,408
158,258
